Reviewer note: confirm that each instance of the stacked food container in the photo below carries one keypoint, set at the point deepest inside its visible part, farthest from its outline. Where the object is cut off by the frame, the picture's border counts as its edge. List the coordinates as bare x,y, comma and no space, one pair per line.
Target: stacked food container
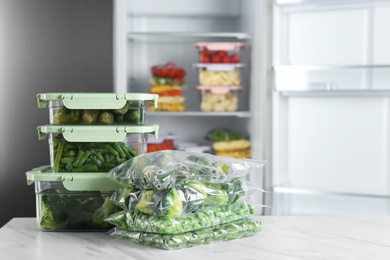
219,75
89,134
167,81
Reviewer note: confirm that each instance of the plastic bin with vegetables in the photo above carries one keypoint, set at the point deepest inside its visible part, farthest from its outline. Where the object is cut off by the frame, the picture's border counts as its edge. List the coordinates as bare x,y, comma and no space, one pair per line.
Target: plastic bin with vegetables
96,108
228,143
94,148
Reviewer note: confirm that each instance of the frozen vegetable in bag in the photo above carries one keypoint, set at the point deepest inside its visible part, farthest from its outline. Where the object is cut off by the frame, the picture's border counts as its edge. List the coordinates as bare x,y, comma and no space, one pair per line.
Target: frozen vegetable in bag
223,232
180,200
204,217
167,169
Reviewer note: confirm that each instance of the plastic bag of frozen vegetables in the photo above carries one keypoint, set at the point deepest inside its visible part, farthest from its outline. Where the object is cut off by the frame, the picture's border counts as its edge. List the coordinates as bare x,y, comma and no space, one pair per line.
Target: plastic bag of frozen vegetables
182,199
204,217
228,231
167,169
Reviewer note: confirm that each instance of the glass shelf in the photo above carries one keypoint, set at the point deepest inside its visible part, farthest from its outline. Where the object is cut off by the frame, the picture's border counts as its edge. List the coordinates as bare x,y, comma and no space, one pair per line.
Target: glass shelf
240,114
238,36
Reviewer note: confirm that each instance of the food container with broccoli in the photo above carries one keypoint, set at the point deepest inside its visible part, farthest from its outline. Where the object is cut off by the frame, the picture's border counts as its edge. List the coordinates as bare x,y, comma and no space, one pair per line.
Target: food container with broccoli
94,148
72,202
219,98
96,108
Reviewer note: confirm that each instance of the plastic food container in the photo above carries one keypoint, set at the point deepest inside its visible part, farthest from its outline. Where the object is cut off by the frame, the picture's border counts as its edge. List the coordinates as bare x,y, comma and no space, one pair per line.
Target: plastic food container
164,142
72,202
219,52
96,108
169,104
94,148
219,98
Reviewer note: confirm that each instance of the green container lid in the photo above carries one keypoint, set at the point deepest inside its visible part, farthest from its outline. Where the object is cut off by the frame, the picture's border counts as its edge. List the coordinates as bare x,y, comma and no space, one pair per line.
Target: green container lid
90,133
89,181
94,100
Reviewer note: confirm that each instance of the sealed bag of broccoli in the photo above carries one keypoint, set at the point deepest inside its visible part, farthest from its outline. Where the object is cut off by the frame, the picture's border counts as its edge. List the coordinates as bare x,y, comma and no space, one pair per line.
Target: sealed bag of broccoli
167,169
186,198
204,217
228,231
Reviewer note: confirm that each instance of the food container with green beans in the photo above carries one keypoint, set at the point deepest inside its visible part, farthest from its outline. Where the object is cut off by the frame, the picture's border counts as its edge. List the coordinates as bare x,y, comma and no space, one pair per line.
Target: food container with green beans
76,148
96,108
72,202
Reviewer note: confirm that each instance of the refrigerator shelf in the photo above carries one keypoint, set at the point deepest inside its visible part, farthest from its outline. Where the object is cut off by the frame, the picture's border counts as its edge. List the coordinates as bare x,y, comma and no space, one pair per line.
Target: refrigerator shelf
328,67
234,35
239,114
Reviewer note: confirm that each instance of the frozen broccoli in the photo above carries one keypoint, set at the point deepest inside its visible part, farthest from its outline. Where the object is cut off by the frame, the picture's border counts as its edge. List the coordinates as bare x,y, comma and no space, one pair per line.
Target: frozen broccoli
66,116
90,116
160,203
102,213
106,118
60,210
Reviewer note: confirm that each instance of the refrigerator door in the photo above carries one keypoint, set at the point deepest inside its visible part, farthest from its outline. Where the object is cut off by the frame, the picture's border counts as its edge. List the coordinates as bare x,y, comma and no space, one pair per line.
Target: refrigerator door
331,107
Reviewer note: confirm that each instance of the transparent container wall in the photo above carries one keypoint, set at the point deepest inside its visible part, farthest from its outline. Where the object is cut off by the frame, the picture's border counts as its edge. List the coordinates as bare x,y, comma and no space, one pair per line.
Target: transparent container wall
169,104
219,78
217,102
348,79
145,52
93,156
132,114
58,209
327,204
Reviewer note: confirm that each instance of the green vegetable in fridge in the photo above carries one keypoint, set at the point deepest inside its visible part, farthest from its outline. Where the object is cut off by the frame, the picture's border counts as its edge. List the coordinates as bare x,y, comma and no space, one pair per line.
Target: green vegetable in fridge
223,134
236,229
60,210
106,118
66,116
204,217
90,116
89,157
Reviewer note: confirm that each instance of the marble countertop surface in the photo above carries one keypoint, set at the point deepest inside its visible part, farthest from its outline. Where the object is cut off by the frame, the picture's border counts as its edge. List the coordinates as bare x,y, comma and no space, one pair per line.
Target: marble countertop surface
282,237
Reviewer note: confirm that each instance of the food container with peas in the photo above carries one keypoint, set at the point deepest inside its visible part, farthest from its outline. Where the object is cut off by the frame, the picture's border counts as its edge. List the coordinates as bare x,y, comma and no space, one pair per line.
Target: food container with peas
96,108
72,202
78,148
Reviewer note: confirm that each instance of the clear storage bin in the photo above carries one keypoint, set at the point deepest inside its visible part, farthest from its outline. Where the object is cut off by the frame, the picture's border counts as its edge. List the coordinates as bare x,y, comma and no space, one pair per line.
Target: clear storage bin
219,52
96,108
219,98
72,202
94,148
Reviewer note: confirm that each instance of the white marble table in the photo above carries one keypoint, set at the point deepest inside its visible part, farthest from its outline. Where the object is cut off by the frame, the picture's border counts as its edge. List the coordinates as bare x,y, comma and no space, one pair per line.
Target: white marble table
280,238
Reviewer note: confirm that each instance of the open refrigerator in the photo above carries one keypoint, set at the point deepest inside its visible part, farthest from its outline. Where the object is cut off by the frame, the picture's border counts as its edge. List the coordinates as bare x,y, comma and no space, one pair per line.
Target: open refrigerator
315,91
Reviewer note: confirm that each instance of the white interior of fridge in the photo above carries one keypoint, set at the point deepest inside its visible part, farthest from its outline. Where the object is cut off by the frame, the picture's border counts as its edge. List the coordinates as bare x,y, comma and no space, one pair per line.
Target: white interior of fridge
331,108
151,32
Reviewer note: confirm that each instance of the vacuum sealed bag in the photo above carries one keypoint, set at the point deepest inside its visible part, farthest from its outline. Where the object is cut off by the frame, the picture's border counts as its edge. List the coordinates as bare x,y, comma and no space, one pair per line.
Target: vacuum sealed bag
228,231
167,169
180,200
204,217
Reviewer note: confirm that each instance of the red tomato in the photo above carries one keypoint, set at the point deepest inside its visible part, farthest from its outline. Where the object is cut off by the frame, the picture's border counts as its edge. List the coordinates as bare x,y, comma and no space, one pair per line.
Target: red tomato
170,64
203,52
180,73
226,59
154,70
222,53
215,58
161,72
204,58
171,72
235,58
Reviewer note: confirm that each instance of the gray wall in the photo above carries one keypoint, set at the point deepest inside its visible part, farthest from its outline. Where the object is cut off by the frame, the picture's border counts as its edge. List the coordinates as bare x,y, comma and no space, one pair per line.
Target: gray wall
45,46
